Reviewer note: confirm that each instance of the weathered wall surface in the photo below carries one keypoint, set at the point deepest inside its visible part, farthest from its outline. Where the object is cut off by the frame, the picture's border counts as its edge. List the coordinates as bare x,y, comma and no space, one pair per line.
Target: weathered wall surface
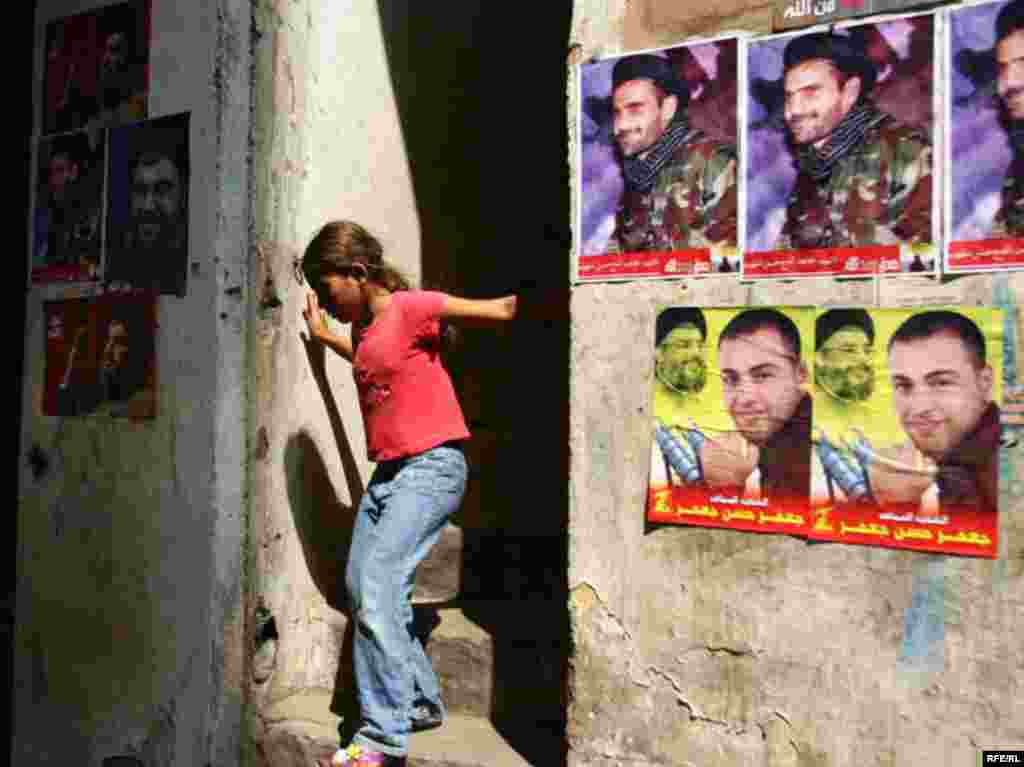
716,648
129,623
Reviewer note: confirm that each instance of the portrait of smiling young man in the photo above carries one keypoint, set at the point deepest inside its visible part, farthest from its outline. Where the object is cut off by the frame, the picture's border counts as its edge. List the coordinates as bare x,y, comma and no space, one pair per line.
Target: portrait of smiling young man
863,177
942,389
679,184
764,390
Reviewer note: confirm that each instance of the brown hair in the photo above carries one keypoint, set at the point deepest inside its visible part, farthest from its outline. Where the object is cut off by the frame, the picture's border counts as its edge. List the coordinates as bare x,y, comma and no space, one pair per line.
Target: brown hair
340,244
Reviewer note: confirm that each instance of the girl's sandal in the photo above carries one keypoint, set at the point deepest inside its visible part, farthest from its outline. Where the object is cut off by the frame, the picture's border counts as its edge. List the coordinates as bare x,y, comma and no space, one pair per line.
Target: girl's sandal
357,756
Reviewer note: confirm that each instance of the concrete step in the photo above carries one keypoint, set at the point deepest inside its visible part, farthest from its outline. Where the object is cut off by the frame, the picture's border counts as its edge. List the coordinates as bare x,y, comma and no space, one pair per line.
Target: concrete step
301,728
470,563
499,659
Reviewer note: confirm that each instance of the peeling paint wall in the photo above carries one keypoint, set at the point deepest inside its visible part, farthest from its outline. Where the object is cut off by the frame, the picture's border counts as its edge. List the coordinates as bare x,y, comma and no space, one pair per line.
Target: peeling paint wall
710,648
129,621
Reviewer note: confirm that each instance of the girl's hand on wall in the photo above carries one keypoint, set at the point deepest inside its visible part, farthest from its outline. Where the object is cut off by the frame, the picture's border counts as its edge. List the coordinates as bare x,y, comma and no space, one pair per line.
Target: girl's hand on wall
314,317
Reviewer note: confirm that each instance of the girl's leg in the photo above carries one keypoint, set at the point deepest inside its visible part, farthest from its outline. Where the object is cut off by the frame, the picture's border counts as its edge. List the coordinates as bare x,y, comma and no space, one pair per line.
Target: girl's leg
400,518
428,708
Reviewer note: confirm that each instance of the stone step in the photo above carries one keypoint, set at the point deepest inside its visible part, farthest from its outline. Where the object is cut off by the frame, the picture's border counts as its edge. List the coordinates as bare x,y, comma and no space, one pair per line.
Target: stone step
469,563
301,728
498,660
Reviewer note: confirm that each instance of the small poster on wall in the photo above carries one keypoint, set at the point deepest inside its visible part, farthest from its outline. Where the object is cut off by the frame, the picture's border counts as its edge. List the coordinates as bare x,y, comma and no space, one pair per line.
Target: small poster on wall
732,410
907,428
148,184
839,162
97,68
67,217
101,356
658,163
985,201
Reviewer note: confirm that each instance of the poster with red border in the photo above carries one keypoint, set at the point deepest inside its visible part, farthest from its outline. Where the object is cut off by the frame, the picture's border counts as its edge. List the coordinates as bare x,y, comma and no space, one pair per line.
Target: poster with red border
658,167
97,68
731,445
985,183
842,155
101,356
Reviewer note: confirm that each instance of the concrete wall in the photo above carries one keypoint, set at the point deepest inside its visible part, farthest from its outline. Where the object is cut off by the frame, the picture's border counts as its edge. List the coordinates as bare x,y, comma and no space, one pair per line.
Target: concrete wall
129,621
715,648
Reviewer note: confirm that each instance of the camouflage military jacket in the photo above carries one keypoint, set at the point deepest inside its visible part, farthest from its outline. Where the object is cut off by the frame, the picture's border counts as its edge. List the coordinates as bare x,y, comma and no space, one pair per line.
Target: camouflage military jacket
1009,221
692,203
880,193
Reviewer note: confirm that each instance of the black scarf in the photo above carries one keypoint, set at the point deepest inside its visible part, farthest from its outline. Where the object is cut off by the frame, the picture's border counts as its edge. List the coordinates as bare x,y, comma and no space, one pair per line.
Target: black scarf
849,133
640,172
1015,133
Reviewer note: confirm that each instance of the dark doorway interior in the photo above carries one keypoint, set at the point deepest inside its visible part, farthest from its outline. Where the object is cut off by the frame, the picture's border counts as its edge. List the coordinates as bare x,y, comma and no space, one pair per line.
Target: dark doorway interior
481,94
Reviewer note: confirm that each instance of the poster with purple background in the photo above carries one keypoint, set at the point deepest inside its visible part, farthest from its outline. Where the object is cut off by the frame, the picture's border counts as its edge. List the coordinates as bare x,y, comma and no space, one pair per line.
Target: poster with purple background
686,222
876,209
986,180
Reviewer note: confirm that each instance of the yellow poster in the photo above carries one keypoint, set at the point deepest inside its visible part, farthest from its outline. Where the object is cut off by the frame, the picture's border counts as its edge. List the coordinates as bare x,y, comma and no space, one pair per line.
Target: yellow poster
907,427
732,408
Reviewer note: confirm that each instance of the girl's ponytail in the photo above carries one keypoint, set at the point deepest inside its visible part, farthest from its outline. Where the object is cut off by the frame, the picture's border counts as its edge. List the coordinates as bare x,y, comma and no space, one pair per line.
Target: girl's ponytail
340,244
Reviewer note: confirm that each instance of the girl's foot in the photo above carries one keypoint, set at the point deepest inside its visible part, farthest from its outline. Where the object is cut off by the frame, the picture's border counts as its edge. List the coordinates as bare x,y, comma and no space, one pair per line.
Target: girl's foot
357,756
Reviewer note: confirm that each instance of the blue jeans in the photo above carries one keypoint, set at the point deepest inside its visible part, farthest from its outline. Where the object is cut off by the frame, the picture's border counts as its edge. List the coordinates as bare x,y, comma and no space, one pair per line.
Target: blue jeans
400,518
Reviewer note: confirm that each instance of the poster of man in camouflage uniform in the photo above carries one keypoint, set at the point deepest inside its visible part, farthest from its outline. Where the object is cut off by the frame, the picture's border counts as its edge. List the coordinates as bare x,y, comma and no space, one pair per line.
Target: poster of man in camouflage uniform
658,163
840,167
985,207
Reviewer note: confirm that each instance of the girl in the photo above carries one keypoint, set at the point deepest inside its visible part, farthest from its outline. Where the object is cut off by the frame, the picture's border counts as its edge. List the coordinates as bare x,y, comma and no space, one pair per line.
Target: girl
414,429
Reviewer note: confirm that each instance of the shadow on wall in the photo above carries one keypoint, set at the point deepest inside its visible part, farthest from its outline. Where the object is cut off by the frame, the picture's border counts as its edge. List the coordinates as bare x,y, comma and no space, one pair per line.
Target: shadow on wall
324,523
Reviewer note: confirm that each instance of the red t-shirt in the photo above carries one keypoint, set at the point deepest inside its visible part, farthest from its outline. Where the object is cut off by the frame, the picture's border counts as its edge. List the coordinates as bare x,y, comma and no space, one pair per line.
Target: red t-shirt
406,395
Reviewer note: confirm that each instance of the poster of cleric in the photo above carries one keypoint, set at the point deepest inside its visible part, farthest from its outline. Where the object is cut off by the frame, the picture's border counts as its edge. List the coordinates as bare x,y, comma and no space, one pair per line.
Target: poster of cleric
985,198
658,163
907,428
732,418
147,209
101,356
839,160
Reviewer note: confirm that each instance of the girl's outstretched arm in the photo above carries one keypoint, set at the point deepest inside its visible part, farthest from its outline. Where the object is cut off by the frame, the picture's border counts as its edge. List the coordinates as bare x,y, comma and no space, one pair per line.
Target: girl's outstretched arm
318,330
498,309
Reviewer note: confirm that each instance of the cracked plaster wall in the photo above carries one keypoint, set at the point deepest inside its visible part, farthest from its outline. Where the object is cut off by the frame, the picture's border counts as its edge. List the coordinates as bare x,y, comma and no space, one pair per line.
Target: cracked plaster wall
129,624
711,648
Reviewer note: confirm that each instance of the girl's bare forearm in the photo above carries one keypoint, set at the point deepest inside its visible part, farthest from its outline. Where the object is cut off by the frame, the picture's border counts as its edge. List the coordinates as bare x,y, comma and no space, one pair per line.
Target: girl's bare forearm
335,343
